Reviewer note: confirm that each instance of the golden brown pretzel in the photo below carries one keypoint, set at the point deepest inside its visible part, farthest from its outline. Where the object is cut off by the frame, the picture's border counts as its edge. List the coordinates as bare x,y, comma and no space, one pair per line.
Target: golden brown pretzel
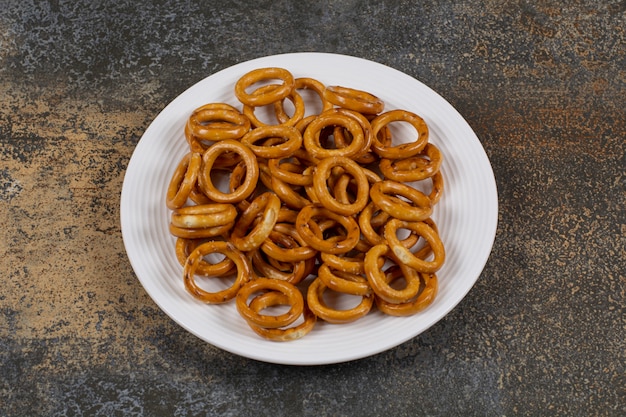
294,299
183,180
305,230
251,178
321,175
380,286
405,256
196,257
285,243
273,298
290,140
414,306
352,99
281,116
332,118
344,282
404,150
185,246
414,168
256,99
203,216
384,193
315,300
293,272
265,209
213,122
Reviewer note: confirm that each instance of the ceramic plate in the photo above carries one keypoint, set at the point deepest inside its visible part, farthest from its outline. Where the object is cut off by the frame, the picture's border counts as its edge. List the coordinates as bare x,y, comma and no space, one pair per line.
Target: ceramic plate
466,215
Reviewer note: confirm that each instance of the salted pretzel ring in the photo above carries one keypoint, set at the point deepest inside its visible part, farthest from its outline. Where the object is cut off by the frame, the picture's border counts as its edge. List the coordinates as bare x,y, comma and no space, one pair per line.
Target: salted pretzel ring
183,180
202,233
344,282
437,188
251,178
196,257
290,141
315,301
285,243
279,111
287,194
342,140
376,277
352,99
321,175
203,216
404,150
411,307
381,194
333,118
305,83
294,299
334,246
296,272
414,168
405,256
267,206
289,172
213,122
185,246
256,99
343,262
274,298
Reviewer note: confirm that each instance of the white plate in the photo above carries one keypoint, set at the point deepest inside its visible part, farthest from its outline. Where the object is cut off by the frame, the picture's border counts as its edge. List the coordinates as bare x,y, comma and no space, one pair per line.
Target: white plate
466,216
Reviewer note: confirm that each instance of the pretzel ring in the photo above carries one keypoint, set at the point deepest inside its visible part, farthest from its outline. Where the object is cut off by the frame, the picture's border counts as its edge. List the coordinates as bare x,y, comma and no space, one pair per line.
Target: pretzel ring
183,180
404,150
437,188
333,118
281,116
321,175
380,286
196,257
294,299
278,93
398,208
289,172
357,100
267,202
411,307
318,242
293,249
365,156
351,264
315,300
298,113
202,216
214,122
200,233
252,171
344,282
299,269
291,135
414,168
287,194
314,85
185,246
273,298
405,256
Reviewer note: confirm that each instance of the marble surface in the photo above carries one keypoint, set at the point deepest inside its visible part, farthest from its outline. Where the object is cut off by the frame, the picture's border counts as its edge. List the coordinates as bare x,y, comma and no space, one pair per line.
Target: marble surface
541,333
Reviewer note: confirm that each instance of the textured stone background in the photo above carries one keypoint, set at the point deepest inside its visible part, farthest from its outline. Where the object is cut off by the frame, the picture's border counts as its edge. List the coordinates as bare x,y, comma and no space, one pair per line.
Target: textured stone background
542,83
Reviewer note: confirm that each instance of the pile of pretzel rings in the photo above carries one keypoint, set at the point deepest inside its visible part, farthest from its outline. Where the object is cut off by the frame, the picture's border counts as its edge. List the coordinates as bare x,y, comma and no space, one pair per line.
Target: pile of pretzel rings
308,204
